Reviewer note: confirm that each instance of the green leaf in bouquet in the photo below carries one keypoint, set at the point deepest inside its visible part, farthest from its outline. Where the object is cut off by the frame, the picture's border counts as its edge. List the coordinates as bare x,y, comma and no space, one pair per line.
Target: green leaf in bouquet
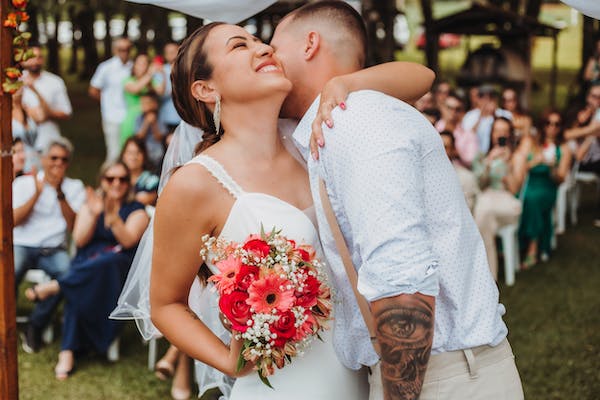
263,235
264,380
241,362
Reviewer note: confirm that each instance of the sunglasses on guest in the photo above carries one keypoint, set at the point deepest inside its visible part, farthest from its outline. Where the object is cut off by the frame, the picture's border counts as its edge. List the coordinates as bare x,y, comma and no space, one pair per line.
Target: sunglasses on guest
57,158
119,179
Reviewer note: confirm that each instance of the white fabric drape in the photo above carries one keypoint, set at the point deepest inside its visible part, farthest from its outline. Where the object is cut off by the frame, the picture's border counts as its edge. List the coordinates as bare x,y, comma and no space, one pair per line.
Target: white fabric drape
231,11
591,8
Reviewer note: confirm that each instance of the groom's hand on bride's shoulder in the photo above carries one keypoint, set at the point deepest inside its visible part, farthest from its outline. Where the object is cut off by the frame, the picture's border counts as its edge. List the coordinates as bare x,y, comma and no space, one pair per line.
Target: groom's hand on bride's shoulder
404,327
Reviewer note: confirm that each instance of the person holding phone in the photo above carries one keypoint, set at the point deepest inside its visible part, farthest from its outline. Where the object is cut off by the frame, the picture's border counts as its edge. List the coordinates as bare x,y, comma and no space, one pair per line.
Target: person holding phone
500,172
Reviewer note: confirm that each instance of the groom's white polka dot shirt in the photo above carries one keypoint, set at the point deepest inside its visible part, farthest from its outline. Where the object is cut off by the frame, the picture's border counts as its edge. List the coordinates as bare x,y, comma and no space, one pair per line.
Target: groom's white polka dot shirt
403,215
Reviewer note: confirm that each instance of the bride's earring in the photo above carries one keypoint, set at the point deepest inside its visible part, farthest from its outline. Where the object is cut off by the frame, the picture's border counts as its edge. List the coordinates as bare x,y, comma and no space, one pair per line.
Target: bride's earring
217,114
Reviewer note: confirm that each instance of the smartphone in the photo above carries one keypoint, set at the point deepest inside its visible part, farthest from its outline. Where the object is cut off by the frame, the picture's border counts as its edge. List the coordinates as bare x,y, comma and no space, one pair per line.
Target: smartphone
502,141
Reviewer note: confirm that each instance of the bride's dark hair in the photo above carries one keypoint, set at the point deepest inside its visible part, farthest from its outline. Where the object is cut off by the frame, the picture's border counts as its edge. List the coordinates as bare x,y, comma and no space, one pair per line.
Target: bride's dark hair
191,65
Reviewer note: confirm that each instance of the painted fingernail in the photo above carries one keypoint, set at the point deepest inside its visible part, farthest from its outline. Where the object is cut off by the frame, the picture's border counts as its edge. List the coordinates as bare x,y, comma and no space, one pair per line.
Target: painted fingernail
329,123
343,105
320,142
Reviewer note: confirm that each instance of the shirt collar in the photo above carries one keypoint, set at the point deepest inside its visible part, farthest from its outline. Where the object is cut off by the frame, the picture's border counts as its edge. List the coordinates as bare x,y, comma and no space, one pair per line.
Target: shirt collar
303,130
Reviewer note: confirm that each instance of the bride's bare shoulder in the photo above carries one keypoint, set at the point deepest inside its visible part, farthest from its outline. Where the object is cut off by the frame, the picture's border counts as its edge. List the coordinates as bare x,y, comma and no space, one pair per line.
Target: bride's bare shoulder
190,183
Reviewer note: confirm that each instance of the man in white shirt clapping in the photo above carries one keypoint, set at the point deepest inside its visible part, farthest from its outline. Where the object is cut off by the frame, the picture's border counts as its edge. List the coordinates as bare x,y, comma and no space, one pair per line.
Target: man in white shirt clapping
44,209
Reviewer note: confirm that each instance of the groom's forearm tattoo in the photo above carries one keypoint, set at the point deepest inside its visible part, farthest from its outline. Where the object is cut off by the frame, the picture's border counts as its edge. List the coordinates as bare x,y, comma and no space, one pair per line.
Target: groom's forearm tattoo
404,327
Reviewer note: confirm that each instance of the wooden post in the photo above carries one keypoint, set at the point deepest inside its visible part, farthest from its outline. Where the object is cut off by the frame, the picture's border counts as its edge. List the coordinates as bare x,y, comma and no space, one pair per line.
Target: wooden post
8,329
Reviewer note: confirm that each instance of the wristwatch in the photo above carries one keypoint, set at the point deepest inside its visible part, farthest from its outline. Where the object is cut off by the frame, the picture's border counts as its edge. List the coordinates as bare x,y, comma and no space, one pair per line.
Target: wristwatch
60,195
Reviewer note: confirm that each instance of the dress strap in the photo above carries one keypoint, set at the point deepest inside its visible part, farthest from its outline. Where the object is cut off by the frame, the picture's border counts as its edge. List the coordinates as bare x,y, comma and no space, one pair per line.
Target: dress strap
217,170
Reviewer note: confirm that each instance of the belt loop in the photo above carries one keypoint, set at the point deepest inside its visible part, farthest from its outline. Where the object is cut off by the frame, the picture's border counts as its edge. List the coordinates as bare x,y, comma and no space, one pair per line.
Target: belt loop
471,362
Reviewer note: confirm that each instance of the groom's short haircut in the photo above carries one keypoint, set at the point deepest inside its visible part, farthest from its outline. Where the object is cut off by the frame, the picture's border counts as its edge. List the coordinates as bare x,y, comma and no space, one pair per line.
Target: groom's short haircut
345,27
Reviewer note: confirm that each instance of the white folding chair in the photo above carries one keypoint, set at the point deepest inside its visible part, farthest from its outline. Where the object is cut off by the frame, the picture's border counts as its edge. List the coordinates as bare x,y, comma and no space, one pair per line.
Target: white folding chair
510,246
580,178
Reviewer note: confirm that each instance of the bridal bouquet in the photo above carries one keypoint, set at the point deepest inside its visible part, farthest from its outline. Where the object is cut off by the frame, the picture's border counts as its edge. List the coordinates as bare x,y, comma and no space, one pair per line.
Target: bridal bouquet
274,294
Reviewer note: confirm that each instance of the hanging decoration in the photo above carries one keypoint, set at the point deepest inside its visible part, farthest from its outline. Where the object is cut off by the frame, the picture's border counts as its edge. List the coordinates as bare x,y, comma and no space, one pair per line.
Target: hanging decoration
15,17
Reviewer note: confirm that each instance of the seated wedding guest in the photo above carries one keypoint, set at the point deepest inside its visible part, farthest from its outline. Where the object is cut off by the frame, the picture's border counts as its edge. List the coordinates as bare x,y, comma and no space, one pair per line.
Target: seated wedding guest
586,132
144,182
432,114
44,208
473,98
151,130
441,92
107,230
466,140
520,118
549,163
425,102
467,179
18,157
480,119
501,172
25,128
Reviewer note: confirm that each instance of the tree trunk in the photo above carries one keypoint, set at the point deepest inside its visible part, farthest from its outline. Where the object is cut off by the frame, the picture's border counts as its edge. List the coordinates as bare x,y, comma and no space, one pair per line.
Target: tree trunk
107,41
32,26
431,38
192,23
74,42
162,30
86,22
52,46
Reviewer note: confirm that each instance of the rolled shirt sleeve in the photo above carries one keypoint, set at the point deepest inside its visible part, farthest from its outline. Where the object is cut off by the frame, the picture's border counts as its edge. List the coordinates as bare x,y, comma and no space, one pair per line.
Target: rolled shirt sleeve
372,164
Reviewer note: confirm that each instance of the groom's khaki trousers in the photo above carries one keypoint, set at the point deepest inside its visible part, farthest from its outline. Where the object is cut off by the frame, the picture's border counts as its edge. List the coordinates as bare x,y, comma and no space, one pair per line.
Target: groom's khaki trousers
480,373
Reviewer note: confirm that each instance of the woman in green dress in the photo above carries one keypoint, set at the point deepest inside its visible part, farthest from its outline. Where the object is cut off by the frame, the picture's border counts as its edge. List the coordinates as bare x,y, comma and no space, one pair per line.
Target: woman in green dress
145,77
548,162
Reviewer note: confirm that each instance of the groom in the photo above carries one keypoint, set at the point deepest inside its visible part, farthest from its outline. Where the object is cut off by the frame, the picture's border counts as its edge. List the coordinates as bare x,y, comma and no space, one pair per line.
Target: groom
421,262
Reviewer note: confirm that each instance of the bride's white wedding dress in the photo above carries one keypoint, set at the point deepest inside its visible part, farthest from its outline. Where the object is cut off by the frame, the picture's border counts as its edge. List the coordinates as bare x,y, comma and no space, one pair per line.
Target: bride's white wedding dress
318,375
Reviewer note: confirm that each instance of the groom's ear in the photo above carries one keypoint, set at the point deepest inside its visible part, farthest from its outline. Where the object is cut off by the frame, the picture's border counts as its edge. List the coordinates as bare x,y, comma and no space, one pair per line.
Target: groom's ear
204,92
311,45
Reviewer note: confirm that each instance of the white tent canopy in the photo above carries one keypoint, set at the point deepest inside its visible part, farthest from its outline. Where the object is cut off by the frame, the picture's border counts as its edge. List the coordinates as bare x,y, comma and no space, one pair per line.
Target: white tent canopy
231,11
591,8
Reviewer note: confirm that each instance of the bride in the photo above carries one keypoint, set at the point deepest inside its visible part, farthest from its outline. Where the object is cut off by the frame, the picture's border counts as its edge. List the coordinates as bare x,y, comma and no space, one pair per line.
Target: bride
231,85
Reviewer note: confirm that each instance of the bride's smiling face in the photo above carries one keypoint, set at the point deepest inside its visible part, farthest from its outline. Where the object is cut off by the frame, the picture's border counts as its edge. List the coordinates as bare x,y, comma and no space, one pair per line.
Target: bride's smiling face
244,68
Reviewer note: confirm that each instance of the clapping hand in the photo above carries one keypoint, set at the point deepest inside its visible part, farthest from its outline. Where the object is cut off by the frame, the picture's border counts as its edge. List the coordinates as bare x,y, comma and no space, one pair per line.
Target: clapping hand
94,201
39,183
